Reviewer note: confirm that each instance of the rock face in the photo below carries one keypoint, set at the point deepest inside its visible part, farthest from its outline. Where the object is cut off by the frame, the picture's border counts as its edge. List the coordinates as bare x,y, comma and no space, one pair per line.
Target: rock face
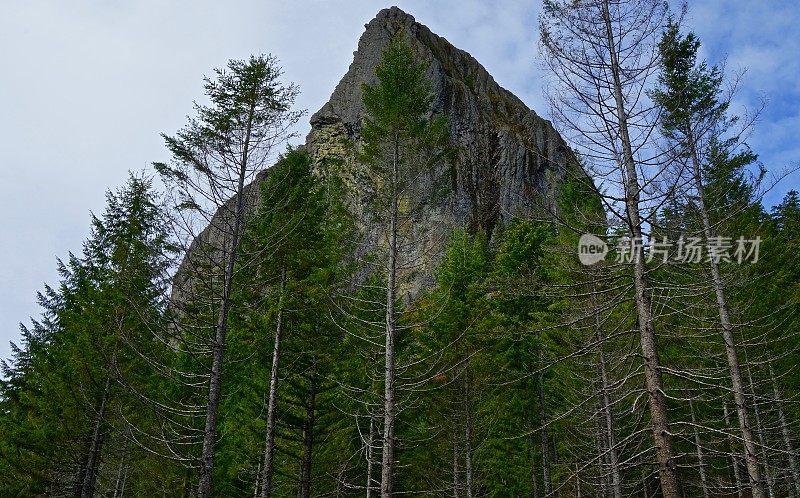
511,161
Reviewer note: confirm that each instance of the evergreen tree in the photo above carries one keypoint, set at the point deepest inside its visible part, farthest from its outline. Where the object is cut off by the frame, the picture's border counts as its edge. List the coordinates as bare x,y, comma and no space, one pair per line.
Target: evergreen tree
214,158
71,388
401,145
694,120
284,345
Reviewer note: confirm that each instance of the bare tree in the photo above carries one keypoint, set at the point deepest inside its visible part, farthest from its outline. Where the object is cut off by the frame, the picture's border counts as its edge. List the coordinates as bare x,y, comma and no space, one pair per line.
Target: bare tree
215,157
603,55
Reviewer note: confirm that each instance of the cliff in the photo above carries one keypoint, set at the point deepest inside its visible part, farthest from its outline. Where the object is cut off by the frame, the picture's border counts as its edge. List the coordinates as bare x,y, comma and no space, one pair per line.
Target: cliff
511,161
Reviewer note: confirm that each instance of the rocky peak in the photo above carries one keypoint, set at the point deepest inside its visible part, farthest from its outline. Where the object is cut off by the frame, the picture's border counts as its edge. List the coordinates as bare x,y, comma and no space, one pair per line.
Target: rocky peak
512,160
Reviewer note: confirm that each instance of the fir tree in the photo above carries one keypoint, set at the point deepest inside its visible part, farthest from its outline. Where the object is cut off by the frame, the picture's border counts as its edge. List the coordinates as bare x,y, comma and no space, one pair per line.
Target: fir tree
401,145
214,158
73,383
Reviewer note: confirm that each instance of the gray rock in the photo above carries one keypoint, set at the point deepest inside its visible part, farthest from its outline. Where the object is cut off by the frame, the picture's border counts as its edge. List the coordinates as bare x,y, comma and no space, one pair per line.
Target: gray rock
511,162
517,158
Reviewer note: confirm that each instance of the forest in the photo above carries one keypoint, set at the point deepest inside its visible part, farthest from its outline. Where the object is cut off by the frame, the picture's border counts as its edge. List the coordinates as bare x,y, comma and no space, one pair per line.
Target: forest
241,323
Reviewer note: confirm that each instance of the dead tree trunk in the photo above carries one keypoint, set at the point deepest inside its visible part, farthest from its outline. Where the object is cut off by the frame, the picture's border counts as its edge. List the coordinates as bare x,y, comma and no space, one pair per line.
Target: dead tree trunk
272,400
786,436
308,434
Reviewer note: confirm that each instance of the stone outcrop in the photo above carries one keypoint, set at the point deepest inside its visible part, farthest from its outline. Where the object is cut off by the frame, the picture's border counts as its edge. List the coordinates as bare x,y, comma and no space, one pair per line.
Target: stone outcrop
510,161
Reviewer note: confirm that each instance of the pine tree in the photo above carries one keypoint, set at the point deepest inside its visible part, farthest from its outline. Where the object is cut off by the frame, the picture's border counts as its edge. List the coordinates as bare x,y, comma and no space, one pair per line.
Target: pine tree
215,157
300,231
694,119
401,144
73,383
283,345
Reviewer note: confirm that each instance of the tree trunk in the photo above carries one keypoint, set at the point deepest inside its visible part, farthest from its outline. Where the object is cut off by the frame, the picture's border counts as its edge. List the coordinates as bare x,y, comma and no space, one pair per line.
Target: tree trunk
787,438
214,395
760,433
272,400
700,458
467,433
78,491
734,460
534,476
370,454
611,442
257,486
601,439
456,470
737,384
548,483
93,462
119,484
387,470
308,434
670,484
221,329
122,473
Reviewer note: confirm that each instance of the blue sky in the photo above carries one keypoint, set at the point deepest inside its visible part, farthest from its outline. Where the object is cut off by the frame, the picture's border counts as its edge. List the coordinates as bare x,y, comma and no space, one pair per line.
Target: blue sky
86,87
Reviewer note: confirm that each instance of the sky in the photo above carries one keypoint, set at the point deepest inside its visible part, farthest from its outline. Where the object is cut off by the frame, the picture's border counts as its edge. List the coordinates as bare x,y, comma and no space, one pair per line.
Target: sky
87,86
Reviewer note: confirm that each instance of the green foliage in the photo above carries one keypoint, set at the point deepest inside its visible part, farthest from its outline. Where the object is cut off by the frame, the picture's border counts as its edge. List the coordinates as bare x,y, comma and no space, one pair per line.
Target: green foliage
689,91
300,233
230,140
500,356
87,352
401,143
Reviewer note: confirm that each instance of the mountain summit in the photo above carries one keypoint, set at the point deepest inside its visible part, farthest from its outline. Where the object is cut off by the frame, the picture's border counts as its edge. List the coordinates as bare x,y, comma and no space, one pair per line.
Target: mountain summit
510,162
